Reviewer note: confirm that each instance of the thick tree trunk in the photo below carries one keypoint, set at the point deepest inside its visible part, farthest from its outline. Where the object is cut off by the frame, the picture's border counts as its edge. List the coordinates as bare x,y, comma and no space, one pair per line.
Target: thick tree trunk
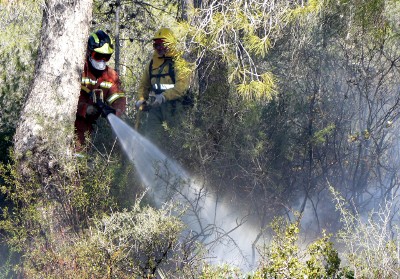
45,132
44,136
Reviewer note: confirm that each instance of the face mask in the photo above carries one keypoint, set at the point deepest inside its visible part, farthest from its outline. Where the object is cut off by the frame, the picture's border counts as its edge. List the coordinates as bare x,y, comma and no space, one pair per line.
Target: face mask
98,65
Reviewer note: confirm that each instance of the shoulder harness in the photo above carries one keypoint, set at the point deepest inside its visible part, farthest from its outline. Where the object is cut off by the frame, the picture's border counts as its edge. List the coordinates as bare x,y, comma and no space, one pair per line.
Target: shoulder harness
171,72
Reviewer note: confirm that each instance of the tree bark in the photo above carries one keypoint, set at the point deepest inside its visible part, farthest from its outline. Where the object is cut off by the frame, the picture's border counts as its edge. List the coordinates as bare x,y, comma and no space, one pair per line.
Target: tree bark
117,34
186,6
45,131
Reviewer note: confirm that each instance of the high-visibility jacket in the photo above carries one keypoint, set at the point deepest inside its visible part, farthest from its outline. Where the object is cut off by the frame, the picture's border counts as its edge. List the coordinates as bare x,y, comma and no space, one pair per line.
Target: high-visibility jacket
113,95
159,78
110,84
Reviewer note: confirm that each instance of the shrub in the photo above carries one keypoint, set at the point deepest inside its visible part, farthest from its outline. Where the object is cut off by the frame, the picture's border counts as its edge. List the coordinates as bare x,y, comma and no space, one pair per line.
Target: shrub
283,257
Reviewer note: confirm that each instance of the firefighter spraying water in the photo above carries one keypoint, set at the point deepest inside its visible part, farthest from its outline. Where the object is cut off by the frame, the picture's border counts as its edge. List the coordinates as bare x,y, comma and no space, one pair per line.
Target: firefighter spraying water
162,100
101,92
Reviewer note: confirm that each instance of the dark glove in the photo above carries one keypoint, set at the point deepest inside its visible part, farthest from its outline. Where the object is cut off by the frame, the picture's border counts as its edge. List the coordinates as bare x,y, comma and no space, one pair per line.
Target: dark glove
91,110
105,109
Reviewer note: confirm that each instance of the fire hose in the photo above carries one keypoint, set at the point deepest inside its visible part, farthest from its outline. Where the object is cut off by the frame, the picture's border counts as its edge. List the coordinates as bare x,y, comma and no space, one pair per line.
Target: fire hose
103,107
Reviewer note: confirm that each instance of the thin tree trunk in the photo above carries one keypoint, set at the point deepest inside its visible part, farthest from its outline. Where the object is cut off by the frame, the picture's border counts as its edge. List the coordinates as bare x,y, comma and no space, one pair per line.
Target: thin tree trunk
186,6
197,3
117,33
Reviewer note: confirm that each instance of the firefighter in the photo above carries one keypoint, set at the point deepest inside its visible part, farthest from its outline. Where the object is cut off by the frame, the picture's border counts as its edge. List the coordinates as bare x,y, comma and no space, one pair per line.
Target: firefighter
163,88
101,91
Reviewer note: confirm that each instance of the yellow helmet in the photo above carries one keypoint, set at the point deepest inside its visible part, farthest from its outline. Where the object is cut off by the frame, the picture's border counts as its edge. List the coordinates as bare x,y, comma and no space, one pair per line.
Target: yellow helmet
165,34
100,42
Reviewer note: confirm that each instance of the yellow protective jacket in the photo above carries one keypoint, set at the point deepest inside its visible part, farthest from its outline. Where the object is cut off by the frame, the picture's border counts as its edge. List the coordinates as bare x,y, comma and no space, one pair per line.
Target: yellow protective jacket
171,90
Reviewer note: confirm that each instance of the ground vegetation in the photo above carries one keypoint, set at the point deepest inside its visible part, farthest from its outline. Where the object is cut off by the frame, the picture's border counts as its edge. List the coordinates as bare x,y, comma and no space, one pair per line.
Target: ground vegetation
294,121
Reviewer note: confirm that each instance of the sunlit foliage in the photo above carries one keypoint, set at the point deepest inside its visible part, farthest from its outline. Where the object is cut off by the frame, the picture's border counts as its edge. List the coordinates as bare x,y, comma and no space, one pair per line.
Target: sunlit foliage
20,25
290,95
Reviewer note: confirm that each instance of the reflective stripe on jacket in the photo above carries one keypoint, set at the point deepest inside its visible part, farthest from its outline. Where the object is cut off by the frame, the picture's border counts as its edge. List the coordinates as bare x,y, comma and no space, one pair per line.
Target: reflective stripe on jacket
110,84
172,90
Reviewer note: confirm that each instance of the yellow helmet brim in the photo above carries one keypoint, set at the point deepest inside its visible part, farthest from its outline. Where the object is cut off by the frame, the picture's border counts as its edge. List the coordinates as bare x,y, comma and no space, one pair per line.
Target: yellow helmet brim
105,49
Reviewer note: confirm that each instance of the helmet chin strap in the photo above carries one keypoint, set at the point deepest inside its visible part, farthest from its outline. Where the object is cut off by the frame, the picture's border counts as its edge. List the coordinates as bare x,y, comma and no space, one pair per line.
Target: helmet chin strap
98,65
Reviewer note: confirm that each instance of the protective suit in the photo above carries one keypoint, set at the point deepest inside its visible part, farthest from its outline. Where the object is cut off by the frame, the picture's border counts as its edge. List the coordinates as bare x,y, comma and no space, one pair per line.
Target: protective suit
101,91
164,83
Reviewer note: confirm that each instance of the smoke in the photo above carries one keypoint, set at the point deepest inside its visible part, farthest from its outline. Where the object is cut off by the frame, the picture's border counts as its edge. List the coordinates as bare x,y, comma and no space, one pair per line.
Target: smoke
224,229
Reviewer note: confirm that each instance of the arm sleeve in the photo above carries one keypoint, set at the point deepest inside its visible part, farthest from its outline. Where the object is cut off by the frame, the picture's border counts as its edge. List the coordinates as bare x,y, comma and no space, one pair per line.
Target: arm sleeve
119,105
117,98
145,85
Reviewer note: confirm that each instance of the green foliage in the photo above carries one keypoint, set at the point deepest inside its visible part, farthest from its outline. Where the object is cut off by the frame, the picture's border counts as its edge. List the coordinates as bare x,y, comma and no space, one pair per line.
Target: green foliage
368,13
92,241
25,216
90,194
129,244
302,11
8,262
371,242
258,46
320,136
20,25
241,34
219,272
284,258
139,240
5,143
20,217
70,257
263,89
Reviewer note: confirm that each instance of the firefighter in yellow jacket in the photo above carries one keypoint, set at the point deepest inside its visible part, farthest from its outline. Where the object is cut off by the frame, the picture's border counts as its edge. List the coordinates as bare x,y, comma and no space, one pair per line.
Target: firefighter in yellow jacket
162,89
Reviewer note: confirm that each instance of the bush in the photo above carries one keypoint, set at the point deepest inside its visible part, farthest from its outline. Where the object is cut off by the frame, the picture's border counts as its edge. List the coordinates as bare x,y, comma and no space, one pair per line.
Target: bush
371,242
127,244
284,258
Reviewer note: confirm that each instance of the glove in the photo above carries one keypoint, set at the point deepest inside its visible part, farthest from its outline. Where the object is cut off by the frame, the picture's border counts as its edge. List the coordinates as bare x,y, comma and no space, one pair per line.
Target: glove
157,99
105,109
91,110
139,103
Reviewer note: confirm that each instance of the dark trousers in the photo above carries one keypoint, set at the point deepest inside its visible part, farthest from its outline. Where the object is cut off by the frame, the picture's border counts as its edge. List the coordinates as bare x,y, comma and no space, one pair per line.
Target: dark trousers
154,123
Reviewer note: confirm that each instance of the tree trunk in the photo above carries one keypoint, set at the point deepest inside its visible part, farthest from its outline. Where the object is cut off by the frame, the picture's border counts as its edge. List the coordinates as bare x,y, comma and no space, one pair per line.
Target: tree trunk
44,136
45,131
117,33
186,6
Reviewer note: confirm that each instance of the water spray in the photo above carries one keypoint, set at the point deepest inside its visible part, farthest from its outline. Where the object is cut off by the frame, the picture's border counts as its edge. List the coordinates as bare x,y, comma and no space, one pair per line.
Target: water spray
213,220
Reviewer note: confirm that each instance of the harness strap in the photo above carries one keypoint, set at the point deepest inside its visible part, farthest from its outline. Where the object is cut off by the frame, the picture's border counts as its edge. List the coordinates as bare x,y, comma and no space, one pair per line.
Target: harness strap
159,75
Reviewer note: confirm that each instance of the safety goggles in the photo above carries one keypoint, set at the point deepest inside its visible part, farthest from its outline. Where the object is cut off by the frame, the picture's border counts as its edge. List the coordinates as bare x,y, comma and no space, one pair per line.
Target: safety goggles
159,45
100,56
